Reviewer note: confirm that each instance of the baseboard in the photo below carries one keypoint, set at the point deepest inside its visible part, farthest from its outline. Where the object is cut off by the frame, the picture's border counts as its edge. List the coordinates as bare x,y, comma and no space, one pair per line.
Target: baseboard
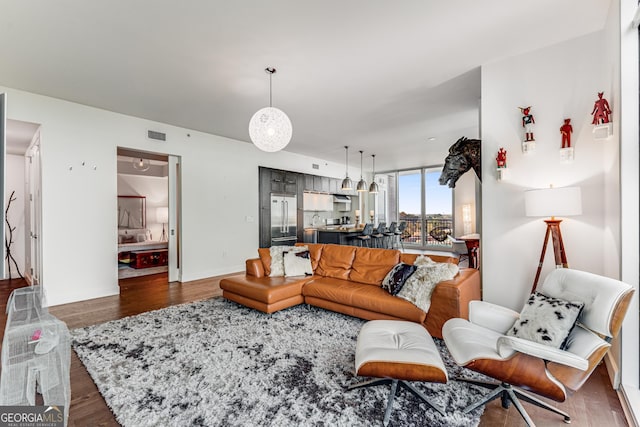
612,370
630,399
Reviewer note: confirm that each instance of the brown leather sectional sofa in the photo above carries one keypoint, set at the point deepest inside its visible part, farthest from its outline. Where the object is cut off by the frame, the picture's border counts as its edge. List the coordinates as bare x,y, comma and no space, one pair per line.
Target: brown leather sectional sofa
347,279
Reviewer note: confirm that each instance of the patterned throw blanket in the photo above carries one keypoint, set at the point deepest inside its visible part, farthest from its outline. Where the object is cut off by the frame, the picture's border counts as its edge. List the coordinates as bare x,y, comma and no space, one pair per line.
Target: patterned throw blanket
420,285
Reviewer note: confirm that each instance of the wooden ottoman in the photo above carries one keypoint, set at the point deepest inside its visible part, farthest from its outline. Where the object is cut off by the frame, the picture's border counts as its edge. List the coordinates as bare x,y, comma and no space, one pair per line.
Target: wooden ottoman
395,351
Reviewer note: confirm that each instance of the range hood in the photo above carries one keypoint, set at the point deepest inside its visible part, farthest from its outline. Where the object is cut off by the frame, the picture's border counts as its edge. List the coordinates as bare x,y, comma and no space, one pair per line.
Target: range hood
342,203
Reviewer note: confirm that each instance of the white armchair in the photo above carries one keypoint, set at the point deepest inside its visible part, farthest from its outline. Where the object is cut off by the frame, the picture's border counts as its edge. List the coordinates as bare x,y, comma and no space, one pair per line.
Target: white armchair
481,343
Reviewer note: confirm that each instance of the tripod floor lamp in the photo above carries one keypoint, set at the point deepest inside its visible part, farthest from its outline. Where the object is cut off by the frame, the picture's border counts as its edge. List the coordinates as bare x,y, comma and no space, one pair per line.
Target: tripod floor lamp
552,202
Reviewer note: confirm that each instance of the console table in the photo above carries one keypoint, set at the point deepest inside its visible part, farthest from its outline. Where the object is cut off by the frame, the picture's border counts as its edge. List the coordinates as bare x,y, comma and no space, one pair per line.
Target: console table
473,244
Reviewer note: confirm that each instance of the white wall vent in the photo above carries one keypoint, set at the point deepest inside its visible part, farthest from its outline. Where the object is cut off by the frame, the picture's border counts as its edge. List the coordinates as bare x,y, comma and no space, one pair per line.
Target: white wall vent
315,165
159,136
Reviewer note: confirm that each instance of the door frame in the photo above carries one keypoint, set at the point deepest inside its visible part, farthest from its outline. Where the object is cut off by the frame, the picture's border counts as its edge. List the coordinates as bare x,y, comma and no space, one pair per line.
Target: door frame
33,209
174,190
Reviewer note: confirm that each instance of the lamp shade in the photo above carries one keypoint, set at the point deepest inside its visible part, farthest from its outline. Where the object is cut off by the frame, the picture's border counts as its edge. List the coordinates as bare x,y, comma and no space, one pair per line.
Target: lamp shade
270,129
162,215
566,201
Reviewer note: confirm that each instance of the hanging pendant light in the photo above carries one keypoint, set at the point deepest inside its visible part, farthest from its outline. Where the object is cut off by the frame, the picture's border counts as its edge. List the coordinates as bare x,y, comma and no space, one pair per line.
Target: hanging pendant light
141,164
270,129
373,188
346,182
362,184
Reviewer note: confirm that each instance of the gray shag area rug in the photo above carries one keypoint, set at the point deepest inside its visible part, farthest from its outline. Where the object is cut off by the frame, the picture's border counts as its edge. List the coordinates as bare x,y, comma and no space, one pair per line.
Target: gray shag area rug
216,363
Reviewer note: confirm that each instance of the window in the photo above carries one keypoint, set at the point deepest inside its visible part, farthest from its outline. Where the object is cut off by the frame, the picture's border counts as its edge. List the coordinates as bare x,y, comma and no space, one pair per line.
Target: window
426,207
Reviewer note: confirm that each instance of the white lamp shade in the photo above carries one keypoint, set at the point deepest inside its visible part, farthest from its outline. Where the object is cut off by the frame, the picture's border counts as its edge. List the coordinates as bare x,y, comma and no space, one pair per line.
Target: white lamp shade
547,202
270,129
162,215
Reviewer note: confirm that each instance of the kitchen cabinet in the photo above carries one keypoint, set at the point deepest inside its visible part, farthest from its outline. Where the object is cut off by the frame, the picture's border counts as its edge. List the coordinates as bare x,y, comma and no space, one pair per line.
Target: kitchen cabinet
334,185
320,184
280,182
284,182
308,183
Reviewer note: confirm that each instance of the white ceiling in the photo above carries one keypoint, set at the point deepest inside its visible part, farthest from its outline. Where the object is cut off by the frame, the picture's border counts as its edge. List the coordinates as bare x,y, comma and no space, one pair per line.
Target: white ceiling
377,75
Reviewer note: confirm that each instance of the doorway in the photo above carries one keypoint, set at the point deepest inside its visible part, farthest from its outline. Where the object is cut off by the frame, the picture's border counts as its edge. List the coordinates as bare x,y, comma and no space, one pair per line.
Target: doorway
22,201
148,213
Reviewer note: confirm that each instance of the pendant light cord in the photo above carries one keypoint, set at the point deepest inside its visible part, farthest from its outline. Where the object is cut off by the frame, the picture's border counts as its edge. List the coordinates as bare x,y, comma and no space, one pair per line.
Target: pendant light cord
346,161
270,103
360,165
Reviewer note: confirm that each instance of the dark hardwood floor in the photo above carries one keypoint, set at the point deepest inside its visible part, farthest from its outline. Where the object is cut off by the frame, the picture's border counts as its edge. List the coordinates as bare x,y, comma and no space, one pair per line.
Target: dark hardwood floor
595,404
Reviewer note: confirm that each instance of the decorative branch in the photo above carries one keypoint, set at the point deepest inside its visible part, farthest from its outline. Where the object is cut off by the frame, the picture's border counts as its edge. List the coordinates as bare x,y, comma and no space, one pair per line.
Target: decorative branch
8,239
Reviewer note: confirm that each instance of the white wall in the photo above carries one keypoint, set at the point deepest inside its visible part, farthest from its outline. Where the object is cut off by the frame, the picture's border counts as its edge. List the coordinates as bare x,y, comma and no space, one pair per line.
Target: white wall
15,181
630,215
219,193
559,82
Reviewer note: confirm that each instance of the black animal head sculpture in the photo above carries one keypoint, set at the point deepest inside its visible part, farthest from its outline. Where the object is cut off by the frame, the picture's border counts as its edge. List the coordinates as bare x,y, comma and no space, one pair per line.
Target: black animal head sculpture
463,155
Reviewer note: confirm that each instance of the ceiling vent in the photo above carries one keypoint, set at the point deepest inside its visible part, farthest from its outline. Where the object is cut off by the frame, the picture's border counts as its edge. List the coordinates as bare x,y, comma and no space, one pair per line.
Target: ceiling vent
158,136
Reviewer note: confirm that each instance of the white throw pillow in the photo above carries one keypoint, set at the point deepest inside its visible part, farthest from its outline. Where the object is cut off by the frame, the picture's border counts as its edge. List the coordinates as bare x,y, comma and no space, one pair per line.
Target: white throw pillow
277,258
546,320
297,264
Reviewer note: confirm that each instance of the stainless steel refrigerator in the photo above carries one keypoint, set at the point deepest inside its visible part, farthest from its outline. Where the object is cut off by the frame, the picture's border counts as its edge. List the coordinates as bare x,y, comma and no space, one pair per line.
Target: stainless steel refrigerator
284,228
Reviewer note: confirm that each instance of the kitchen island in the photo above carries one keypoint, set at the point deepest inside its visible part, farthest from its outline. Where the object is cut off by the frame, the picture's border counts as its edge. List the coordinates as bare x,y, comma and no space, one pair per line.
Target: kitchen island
338,235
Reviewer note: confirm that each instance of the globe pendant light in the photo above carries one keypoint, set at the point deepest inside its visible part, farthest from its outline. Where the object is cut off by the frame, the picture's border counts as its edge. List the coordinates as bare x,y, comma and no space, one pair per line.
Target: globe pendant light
141,164
362,184
346,182
270,129
373,188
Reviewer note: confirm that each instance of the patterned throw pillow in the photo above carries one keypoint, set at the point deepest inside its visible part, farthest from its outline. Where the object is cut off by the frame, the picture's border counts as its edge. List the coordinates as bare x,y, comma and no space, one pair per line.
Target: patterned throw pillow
297,264
546,320
277,258
394,281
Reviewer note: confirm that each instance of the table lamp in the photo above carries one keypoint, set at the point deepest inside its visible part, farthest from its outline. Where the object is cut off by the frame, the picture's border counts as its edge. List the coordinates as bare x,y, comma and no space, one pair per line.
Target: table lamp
552,202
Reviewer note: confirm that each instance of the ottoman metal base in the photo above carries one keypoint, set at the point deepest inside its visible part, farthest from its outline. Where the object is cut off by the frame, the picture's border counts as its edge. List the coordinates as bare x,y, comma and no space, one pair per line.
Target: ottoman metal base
395,352
394,392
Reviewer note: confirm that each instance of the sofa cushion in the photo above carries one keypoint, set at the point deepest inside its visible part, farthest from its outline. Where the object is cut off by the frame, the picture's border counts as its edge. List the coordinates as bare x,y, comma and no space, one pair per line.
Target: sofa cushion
410,258
336,261
362,296
315,251
265,257
372,265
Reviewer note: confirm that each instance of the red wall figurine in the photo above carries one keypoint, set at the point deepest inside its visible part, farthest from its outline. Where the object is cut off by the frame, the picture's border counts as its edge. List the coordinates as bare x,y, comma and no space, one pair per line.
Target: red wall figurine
566,130
601,111
501,160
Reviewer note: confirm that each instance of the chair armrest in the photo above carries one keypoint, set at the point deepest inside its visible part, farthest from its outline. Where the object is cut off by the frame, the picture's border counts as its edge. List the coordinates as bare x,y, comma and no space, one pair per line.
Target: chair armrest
506,345
492,316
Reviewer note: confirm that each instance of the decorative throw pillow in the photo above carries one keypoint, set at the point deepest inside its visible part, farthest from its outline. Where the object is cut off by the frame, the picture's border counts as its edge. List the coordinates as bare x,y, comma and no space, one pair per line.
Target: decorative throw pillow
395,278
297,264
420,285
277,258
546,320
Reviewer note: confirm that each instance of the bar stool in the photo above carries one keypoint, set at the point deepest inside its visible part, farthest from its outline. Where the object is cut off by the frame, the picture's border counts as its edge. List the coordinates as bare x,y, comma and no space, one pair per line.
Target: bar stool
378,235
400,232
365,237
391,234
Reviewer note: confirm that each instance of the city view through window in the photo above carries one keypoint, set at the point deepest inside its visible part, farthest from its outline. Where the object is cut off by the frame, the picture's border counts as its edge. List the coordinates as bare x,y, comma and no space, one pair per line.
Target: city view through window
425,206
